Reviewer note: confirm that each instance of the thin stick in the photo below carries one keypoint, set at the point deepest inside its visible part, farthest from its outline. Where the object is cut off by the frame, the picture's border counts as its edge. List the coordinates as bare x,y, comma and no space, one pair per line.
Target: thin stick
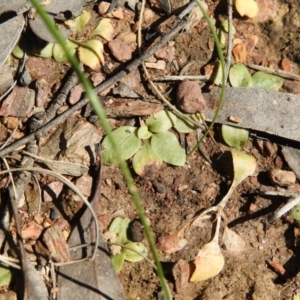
229,47
180,78
101,87
71,186
277,72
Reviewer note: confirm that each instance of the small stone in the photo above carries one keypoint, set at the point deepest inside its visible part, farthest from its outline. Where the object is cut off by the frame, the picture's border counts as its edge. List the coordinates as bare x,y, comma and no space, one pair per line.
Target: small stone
31,230
84,184
159,188
7,78
159,65
136,231
292,86
19,103
189,97
166,53
25,78
52,191
120,50
11,122
43,90
76,93
282,178
54,214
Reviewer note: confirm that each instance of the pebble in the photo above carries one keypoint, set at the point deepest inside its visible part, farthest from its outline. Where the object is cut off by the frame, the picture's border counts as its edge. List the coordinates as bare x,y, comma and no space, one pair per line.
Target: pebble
136,231
120,50
54,214
189,97
159,188
25,78
281,177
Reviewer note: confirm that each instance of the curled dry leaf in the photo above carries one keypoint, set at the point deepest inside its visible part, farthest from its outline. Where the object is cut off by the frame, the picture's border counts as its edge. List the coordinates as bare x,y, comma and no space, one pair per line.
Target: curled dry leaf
181,273
208,263
91,54
235,245
246,8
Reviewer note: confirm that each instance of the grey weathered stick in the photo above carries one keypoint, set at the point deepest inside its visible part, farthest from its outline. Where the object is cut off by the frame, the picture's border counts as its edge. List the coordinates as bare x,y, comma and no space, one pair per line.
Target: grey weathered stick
125,70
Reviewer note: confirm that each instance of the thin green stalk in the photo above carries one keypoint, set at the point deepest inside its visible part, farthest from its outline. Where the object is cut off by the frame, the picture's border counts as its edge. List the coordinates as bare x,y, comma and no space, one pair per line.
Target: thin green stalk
221,57
104,122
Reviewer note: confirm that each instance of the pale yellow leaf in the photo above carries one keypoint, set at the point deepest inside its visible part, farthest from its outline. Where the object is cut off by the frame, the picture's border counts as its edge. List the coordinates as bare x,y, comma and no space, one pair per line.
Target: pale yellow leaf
246,8
91,54
105,29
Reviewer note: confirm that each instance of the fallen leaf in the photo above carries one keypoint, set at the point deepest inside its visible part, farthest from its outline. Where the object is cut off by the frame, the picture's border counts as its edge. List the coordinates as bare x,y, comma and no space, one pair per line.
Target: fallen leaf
235,245
240,53
234,136
91,54
246,8
77,24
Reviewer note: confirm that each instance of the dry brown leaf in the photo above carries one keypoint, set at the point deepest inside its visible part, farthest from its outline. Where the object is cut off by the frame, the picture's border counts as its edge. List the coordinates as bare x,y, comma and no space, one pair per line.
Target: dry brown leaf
235,245
240,53
170,243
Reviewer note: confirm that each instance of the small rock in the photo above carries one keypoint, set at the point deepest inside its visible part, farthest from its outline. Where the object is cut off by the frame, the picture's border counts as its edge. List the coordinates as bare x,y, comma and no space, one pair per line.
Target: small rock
25,78
120,50
189,97
136,231
292,86
166,53
7,78
54,214
19,103
75,93
11,122
31,230
103,7
125,91
159,188
43,90
84,184
159,65
281,177
52,191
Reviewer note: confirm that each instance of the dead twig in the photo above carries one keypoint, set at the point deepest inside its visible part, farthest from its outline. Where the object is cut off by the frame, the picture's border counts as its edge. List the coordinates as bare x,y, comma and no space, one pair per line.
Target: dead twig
180,78
101,87
277,72
229,47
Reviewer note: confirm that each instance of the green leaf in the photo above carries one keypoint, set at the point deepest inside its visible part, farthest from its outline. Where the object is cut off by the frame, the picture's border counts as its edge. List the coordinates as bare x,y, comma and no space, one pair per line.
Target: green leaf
143,133
5,275
167,146
127,141
59,53
234,136
224,26
119,227
160,121
239,76
296,212
144,158
45,52
118,261
133,256
267,81
77,24
184,126
221,36
105,29
91,54
216,76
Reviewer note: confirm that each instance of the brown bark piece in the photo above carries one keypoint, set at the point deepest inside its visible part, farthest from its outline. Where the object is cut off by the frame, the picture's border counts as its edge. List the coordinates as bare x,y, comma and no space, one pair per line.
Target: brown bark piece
127,108
55,241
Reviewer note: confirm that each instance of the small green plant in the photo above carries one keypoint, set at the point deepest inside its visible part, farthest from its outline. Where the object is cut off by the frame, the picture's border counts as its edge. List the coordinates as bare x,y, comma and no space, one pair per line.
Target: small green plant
119,228
150,144
90,51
